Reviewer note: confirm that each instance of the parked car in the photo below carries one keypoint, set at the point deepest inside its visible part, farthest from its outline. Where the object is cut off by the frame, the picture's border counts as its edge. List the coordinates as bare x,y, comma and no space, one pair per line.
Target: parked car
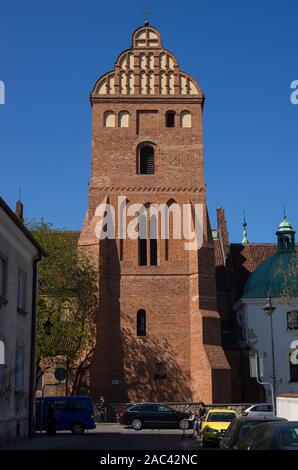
240,427
259,409
215,425
70,413
281,435
153,415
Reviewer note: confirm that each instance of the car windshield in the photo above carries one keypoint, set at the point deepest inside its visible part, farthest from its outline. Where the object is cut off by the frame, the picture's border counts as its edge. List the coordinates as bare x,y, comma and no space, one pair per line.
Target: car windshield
247,427
289,436
221,417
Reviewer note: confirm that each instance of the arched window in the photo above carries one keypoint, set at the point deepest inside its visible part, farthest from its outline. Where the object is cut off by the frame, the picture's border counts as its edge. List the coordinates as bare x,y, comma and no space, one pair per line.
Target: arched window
123,119
109,119
153,231
185,119
148,237
170,119
146,160
141,322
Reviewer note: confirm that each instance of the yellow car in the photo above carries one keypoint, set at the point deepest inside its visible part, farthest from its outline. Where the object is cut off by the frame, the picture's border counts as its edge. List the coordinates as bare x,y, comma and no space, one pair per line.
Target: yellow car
216,423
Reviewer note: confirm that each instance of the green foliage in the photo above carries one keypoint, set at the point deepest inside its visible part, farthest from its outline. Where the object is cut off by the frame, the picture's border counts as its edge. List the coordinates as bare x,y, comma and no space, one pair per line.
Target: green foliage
68,291
290,282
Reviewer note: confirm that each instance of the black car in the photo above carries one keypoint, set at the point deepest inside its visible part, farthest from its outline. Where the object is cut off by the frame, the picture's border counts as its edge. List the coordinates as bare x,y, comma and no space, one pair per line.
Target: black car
153,415
271,436
240,427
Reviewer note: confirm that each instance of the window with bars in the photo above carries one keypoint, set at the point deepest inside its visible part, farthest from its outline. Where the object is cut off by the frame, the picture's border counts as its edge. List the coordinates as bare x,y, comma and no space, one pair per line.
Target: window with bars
292,320
146,160
170,119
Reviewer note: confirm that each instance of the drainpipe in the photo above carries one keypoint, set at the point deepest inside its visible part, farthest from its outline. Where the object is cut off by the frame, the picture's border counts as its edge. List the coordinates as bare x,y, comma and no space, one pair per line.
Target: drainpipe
32,349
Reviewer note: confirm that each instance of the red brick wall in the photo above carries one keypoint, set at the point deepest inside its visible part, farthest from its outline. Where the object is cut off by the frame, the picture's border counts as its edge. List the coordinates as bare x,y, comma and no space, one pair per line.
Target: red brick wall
183,330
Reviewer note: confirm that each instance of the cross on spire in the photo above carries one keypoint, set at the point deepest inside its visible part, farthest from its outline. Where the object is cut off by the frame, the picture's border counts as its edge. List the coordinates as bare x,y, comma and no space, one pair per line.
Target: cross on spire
285,214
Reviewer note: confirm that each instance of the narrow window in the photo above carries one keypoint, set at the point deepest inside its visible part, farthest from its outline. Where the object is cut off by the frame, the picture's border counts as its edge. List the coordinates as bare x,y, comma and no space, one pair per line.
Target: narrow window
19,369
121,249
3,276
170,119
141,323
185,119
167,249
153,240
146,160
123,119
109,119
2,369
293,372
142,251
153,252
22,290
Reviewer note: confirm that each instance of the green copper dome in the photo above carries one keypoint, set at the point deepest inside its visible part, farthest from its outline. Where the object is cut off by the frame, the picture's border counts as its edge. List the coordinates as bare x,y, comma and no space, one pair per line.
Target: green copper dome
284,226
278,273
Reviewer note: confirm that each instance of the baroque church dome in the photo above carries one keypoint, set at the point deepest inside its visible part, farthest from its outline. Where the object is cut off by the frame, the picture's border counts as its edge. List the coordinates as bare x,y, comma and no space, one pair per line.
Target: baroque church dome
278,273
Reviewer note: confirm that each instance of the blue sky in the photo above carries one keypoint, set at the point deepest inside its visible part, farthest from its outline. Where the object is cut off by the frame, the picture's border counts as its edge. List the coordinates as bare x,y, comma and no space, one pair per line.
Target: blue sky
243,54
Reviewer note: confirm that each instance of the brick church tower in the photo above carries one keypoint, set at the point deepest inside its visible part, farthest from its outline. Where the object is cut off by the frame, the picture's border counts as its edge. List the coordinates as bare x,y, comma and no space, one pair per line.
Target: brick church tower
158,330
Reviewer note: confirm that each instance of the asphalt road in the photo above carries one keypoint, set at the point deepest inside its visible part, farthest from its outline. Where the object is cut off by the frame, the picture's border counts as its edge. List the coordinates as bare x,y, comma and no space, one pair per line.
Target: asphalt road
112,437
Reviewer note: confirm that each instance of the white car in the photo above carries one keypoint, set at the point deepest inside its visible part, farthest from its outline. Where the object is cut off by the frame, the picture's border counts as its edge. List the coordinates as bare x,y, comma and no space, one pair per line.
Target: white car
259,409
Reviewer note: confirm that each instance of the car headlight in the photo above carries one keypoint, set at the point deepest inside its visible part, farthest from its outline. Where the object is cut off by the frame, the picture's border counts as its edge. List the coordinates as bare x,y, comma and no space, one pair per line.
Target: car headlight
210,429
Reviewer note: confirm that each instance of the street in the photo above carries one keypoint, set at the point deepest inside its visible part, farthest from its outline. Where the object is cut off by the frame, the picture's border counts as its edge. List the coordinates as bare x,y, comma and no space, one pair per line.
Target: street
112,437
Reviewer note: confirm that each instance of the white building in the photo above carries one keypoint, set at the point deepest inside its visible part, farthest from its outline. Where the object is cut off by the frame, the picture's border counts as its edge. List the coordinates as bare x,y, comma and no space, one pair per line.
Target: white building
277,276
19,255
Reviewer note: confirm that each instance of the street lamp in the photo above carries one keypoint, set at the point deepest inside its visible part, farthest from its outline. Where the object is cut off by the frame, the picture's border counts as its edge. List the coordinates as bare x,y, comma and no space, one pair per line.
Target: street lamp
269,310
47,326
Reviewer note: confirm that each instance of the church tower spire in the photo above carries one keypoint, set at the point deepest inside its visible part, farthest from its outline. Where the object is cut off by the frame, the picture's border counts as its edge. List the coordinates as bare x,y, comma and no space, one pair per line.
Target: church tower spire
285,235
244,224
158,303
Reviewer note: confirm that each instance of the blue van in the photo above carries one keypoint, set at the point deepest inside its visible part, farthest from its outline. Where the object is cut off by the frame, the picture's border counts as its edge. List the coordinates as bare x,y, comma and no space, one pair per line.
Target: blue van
70,413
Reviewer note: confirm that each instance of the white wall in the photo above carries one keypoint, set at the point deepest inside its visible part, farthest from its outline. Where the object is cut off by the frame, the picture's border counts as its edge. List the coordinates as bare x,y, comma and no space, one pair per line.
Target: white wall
15,328
257,334
287,407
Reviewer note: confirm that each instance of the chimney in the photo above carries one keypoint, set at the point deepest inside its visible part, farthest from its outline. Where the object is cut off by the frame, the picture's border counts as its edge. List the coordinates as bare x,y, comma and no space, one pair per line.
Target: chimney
20,211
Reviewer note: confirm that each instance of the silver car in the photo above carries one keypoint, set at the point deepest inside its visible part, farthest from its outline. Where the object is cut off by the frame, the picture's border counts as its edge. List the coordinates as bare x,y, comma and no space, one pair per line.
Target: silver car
259,409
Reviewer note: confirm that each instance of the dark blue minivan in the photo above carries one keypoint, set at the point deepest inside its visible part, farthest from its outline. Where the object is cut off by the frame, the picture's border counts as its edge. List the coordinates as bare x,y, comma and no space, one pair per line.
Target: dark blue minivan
70,413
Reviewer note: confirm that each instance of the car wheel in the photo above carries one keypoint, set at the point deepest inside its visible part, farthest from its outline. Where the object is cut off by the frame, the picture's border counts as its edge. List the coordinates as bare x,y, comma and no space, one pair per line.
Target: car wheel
78,429
184,424
137,424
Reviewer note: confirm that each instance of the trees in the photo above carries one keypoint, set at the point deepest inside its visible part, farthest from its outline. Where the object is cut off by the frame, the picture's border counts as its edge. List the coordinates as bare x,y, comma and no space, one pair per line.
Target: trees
289,278
68,295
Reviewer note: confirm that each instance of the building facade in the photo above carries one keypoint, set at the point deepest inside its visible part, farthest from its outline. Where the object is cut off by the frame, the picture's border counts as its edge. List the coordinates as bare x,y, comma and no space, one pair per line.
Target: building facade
276,276
19,255
158,329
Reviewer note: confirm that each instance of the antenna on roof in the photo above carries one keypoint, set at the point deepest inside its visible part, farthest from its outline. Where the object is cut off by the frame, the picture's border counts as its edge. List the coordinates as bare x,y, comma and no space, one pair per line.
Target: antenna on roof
20,193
